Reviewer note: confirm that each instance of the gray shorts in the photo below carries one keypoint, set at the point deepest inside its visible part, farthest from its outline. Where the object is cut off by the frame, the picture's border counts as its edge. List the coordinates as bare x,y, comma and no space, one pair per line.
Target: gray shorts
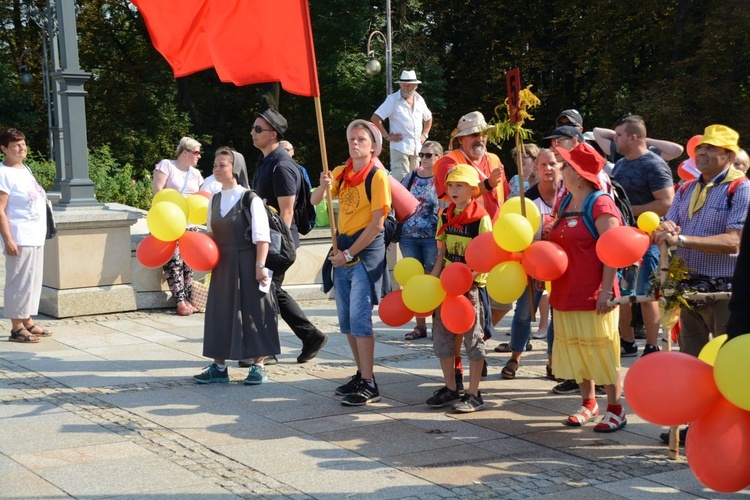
443,341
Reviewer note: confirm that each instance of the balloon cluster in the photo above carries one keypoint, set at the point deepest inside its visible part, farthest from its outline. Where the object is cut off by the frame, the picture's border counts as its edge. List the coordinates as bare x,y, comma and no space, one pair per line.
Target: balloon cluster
167,221
507,254
712,393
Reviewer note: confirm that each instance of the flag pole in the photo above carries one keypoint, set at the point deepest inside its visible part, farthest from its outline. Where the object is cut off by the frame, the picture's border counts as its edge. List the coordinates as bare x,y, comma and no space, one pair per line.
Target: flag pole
324,158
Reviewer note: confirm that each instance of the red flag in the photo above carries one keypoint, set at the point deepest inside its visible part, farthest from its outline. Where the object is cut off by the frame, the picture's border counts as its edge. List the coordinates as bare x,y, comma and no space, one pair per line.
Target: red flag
513,82
246,41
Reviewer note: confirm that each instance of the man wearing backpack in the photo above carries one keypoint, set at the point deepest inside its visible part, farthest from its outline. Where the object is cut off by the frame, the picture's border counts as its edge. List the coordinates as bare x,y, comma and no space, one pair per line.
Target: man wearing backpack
278,180
647,180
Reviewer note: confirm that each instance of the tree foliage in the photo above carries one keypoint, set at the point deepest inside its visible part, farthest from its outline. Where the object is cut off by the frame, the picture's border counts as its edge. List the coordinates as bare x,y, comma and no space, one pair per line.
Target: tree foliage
681,64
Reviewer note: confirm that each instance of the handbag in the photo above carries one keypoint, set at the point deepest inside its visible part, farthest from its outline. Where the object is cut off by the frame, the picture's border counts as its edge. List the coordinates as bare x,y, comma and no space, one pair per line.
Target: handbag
51,226
199,293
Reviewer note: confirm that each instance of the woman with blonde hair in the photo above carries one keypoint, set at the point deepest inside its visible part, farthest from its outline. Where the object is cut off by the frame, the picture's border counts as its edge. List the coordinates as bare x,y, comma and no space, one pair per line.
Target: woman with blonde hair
180,174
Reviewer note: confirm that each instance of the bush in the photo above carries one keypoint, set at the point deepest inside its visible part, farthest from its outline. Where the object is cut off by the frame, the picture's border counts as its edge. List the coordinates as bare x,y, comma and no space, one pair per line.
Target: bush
113,183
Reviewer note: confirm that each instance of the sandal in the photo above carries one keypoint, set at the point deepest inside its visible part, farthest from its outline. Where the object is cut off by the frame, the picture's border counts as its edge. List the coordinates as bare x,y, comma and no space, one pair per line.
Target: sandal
419,332
183,309
611,422
43,333
505,347
21,337
508,371
583,416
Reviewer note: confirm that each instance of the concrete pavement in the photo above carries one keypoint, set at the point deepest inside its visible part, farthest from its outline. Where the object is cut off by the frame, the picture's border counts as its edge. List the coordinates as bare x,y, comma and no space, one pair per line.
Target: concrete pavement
106,408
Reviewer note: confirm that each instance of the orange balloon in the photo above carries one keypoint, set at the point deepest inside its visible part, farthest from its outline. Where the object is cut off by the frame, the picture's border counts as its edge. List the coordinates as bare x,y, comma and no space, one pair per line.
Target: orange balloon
198,251
718,447
392,310
457,314
456,278
622,246
691,144
545,260
424,315
483,253
154,253
692,390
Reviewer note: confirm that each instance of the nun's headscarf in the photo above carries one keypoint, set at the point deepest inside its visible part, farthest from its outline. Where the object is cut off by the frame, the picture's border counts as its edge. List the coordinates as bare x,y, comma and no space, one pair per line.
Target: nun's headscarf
239,169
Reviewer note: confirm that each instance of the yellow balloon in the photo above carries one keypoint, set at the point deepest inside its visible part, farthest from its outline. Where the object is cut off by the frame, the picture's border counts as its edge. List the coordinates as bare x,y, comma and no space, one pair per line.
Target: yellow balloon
406,269
506,282
513,206
423,293
171,195
513,232
197,209
711,350
731,371
166,221
648,221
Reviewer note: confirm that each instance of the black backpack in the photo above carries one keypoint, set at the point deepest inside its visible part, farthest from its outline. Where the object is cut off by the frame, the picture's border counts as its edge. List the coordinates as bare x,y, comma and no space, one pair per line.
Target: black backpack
281,252
304,210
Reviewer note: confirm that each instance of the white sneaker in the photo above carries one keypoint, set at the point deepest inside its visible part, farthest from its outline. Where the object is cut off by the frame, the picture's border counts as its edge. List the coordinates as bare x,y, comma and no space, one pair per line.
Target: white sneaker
540,334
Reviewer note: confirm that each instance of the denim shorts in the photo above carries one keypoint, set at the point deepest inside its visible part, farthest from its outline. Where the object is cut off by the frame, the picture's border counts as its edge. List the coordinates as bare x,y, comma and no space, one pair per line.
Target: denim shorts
638,278
422,249
352,289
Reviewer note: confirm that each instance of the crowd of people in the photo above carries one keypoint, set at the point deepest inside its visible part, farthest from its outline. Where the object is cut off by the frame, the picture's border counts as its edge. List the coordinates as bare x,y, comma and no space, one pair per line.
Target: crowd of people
572,176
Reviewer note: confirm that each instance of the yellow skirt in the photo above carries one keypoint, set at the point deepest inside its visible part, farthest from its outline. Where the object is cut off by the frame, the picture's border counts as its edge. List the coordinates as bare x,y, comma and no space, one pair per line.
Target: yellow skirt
587,346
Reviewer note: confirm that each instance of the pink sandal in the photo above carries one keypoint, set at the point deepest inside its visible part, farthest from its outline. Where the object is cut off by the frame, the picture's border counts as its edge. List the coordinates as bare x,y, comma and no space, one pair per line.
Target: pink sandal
584,415
611,422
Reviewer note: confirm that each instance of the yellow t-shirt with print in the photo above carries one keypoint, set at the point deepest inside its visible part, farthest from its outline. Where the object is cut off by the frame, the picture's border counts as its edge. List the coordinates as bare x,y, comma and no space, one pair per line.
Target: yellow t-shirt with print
355,210
456,242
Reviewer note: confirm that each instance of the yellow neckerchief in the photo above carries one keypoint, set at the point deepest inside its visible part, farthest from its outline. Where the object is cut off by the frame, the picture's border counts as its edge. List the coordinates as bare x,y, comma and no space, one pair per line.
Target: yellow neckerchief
698,198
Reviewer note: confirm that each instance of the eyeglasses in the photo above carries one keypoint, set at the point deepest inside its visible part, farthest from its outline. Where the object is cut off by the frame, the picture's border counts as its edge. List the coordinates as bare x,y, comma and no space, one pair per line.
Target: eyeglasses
558,140
196,153
258,129
426,155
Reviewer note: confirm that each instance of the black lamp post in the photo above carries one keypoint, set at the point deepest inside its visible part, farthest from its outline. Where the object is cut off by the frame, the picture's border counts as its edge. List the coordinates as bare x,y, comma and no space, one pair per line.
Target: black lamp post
373,65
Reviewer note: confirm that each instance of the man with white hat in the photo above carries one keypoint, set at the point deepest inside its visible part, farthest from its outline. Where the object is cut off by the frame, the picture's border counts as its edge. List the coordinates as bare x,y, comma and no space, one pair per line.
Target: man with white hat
409,121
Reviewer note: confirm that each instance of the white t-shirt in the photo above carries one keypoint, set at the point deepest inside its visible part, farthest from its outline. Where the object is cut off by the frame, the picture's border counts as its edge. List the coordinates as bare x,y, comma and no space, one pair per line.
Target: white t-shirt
211,185
405,120
176,178
26,209
259,219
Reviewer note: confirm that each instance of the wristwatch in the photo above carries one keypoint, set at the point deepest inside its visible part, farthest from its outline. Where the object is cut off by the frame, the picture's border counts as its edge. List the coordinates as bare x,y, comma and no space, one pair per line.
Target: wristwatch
426,135
348,256
681,240
260,265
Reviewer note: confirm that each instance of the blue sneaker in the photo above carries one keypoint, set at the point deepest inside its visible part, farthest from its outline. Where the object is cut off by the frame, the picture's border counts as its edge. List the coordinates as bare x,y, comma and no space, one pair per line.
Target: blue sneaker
257,375
212,375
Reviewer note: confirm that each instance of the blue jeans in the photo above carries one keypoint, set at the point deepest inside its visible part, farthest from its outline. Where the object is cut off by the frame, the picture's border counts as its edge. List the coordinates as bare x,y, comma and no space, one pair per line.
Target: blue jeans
520,328
422,249
351,286
551,331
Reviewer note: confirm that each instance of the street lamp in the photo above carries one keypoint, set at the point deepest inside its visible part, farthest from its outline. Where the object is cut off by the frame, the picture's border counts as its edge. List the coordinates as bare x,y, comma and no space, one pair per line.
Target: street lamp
373,65
27,80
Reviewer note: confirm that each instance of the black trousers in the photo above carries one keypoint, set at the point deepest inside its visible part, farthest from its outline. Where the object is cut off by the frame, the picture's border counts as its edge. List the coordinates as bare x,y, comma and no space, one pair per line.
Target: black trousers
292,314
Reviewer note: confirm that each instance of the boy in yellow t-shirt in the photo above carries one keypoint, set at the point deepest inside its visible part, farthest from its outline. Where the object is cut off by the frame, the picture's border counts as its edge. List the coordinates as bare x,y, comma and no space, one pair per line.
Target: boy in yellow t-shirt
462,221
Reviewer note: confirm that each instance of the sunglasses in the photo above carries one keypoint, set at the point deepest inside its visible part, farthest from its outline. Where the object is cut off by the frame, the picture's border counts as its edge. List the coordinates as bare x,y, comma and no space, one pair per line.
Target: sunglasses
258,129
426,155
196,153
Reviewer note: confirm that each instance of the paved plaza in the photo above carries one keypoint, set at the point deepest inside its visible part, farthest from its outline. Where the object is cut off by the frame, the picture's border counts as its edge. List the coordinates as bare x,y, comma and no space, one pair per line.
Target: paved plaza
106,408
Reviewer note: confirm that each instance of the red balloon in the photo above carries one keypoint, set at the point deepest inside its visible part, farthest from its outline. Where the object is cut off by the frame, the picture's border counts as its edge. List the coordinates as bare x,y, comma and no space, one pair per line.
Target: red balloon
392,310
205,193
483,254
457,314
622,246
424,315
456,278
718,447
691,144
671,388
154,253
198,251
544,260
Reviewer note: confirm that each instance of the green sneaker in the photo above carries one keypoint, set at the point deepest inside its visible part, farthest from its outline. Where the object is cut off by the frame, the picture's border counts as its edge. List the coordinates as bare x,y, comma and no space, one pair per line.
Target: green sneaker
212,375
257,375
